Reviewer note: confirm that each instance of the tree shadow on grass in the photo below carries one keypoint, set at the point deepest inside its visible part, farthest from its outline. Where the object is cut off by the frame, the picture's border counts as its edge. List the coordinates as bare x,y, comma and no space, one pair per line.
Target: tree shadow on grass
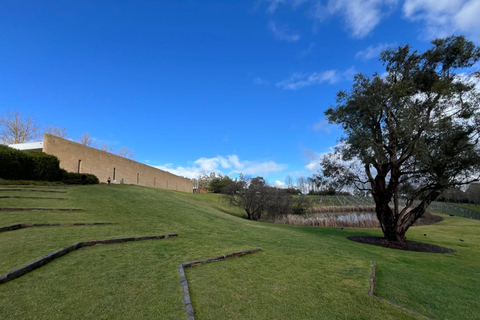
409,246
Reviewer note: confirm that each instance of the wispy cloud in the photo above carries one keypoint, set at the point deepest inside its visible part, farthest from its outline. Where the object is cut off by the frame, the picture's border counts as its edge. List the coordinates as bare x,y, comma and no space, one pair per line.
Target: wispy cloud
298,3
259,81
307,51
283,32
360,17
373,51
324,126
300,80
444,17
273,5
230,165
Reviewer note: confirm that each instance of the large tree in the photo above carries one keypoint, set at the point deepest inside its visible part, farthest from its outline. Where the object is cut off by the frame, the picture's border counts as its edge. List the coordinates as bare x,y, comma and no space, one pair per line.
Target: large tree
412,132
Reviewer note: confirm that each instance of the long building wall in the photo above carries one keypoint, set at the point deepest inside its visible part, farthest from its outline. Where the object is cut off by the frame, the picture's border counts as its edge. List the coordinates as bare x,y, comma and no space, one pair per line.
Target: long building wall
75,157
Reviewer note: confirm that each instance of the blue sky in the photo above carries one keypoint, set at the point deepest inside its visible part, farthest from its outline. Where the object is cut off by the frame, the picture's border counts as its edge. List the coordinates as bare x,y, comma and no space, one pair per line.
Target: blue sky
200,86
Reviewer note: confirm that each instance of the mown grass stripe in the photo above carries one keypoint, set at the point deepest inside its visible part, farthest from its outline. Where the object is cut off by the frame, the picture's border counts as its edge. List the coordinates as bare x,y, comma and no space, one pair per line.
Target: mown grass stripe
371,292
183,278
29,267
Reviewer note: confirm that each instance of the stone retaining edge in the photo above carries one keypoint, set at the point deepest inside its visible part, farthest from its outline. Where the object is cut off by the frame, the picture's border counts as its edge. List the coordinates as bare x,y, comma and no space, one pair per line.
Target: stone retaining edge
22,197
183,279
32,190
29,225
29,267
371,292
39,209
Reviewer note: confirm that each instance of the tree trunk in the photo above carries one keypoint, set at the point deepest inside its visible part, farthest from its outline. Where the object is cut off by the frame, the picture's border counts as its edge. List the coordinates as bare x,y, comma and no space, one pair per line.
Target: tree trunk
387,220
395,227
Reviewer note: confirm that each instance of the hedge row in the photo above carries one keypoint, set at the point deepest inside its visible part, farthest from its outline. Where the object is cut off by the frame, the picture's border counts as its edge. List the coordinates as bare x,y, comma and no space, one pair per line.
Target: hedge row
78,178
27,165
24,165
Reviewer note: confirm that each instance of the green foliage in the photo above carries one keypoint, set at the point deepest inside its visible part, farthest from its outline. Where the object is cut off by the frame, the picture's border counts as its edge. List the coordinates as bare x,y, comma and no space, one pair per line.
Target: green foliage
256,198
293,191
414,131
78,178
218,184
46,167
23,165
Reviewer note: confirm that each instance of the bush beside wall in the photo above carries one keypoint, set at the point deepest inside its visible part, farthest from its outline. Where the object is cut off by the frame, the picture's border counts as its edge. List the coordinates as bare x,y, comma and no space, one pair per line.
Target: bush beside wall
24,165
38,166
76,178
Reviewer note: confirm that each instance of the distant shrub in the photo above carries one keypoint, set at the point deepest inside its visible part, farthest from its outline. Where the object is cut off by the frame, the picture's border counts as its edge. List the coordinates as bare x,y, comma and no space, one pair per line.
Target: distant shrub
76,178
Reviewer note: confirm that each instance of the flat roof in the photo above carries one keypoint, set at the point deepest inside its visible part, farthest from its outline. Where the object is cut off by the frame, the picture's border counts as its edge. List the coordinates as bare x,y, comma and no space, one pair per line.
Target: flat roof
29,146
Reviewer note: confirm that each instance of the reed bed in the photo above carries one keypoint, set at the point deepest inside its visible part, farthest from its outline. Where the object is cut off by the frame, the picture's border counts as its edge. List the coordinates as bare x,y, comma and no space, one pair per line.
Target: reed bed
340,209
345,220
352,220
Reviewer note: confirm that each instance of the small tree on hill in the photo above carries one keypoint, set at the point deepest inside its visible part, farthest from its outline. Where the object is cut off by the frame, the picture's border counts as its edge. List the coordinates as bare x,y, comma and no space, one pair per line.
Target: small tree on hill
249,194
56,131
256,198
86,139
217,185
419,125
125,153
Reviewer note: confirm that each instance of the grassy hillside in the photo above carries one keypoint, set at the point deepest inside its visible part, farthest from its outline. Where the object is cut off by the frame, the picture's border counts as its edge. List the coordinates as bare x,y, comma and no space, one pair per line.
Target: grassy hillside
301,273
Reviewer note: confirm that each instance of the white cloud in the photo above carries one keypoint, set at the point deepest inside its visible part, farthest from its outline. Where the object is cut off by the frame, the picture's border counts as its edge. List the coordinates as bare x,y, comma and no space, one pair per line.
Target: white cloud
361,17
372,51
230,164
235,162
445,17
282,33
313,159
279,184
300,80
254,168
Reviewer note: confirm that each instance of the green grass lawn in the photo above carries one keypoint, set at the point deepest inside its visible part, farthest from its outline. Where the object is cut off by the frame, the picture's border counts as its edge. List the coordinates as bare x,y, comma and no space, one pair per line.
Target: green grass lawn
301,272
469,206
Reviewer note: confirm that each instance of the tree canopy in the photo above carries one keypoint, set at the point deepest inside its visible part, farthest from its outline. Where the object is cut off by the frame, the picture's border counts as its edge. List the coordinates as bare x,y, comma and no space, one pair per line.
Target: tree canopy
14,128
412,132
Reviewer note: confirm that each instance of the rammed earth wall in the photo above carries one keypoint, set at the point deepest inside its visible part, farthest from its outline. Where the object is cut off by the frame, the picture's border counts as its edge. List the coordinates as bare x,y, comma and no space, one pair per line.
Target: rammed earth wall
75,157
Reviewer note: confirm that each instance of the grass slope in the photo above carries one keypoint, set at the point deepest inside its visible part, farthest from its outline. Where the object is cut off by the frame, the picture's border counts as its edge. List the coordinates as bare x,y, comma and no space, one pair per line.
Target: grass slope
301,273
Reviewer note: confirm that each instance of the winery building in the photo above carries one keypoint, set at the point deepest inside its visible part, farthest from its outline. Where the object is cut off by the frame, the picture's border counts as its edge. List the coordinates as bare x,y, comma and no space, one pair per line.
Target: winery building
75,157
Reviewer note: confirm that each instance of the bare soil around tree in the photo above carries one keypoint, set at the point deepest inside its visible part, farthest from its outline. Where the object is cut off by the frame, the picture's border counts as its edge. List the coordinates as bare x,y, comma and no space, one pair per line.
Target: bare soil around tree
408,246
